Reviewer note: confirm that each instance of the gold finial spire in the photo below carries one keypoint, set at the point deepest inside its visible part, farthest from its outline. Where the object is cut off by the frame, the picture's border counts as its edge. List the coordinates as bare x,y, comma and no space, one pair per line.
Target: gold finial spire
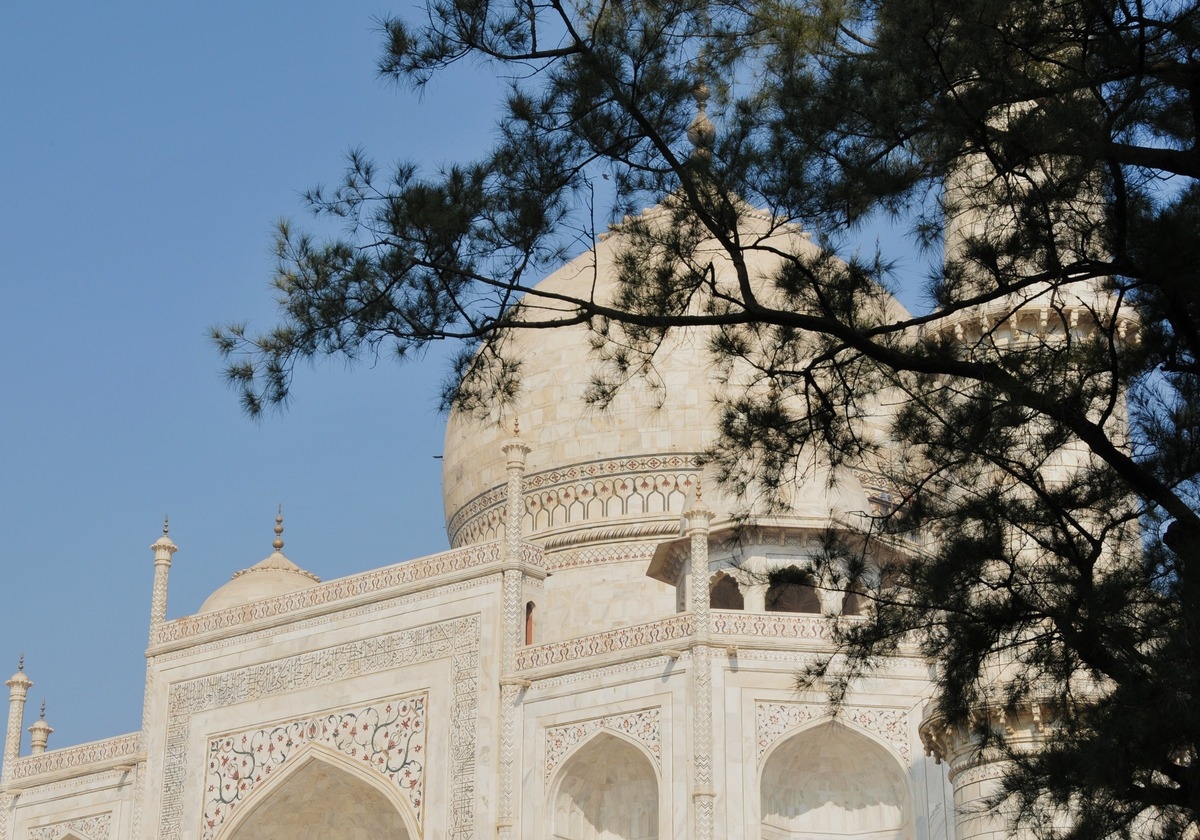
516,426
278,542
699,491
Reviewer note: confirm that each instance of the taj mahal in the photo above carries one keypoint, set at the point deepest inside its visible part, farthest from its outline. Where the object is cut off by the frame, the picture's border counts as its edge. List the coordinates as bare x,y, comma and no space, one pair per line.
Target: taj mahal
600,655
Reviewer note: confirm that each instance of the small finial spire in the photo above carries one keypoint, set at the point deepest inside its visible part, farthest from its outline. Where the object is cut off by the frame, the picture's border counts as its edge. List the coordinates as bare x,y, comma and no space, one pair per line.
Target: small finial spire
516,426
21,663
702,133
166,525
278,542
42,714
699,491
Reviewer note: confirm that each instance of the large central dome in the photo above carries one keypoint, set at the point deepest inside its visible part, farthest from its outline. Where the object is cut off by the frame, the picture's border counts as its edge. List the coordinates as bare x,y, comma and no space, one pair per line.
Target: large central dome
624,472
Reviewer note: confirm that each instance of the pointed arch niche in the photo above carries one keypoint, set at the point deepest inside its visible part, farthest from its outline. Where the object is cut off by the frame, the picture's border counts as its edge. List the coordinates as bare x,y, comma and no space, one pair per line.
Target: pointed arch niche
829,782
321,794
606,790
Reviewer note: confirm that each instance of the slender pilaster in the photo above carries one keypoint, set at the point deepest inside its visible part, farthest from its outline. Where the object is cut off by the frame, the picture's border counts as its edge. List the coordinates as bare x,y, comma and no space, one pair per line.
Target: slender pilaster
512,623
18,688
698,519
163,548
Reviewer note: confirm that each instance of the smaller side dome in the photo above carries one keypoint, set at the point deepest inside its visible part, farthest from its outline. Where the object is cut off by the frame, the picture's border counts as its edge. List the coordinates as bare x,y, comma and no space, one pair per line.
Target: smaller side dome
274,575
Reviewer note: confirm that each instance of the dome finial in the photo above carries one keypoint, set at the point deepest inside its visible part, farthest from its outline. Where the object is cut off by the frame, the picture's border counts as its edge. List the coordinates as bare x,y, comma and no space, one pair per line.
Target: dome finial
516,427
42,714
278,542
21,663
166,524
699,490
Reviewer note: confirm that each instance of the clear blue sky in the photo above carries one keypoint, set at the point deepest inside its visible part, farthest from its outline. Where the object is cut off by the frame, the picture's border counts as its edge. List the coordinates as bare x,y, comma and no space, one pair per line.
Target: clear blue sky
146,149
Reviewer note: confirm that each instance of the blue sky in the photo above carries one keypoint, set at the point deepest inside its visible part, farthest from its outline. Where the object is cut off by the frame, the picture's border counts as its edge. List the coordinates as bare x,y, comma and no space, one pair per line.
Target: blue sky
146,150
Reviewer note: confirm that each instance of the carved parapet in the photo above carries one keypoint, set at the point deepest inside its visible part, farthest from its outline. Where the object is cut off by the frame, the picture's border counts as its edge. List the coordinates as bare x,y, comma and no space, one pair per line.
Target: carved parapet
962,746
1037,319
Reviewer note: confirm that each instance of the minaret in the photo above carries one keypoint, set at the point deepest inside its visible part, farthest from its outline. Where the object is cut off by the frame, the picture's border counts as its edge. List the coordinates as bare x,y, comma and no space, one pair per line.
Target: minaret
163,548
18,687
697,520
39,733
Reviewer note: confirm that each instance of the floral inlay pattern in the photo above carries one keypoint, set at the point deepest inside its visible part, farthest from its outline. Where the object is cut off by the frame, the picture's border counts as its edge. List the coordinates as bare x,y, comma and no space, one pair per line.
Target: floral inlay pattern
775,720
643,726
388,737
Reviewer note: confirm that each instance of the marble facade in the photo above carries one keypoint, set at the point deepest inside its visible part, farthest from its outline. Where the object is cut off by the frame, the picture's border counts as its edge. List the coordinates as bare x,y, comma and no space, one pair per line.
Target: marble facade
566,670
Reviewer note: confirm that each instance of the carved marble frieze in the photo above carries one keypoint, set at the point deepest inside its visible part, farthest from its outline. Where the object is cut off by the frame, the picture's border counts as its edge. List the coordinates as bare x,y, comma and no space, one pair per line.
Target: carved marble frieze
610,641
578,493
98,827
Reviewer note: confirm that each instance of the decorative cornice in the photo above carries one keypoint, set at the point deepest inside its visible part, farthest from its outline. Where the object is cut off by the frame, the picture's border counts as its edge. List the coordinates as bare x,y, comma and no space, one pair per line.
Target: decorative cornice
330,596
85,758
551,495
600,555
649,636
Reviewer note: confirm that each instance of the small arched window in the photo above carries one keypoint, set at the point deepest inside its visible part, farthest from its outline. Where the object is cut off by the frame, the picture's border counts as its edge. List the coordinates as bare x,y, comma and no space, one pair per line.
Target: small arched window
529,606
791,590
724,593
854,603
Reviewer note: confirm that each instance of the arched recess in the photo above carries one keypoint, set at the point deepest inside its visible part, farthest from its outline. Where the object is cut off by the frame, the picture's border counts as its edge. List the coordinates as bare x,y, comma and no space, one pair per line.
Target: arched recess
607,789
318,794
724,593
829,782
791,590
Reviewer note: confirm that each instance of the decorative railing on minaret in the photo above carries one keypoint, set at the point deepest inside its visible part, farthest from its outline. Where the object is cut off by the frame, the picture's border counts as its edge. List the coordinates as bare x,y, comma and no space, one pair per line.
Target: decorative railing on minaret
697,520
18,687
512,627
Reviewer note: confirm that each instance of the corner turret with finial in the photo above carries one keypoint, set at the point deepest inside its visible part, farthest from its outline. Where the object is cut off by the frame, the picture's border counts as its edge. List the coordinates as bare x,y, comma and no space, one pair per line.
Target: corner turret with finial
39,733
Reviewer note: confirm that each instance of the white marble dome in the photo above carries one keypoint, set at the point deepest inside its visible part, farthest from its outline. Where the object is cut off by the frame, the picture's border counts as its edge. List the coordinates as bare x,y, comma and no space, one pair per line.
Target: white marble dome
620,473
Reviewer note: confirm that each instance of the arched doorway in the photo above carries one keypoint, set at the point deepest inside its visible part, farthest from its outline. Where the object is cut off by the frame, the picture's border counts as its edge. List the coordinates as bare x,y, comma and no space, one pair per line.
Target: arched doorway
832,783
607,790
317,797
